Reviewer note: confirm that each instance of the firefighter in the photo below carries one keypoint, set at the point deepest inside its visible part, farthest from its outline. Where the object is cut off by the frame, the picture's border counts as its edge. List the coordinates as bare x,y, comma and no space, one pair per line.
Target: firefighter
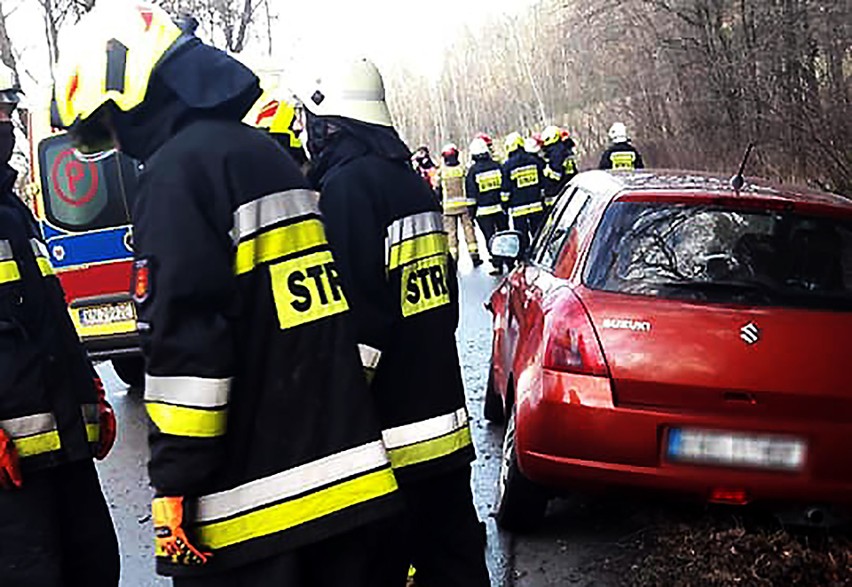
456,204
280,119
422,163
483,182
561,166
394,261
55,526
488,141
266,458
620,155
522,192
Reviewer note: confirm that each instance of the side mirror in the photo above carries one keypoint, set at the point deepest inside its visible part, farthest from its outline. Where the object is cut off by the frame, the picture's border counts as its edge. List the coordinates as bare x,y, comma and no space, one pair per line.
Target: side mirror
508,244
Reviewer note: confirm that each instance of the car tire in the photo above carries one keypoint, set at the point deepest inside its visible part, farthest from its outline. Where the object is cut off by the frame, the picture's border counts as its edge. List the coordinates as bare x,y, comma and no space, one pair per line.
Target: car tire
521,504
493,408
131,370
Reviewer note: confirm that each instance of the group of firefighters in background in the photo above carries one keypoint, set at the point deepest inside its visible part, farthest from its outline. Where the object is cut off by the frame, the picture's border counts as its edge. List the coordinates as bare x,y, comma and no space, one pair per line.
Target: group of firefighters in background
521,188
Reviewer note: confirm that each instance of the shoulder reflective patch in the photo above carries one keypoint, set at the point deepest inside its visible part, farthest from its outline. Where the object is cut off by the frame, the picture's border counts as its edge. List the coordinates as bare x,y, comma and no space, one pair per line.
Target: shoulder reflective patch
414,225
525,176
256,215
622,160
277,243
8,267
142,280
424,284
307,288
416,248
488,181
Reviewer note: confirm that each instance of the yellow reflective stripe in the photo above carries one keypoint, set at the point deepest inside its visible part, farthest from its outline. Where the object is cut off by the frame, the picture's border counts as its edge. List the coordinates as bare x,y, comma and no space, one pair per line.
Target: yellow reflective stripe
9,271
430,449
37,444
551,174
45,267
183,421
455,203
504,196
420,247
93,432
489,210
526,209
278,243
287,515
622,160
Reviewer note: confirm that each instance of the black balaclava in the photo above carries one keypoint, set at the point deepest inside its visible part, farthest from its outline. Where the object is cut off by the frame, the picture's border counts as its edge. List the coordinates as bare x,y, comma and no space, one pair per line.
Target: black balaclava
452,160
180,90
7,141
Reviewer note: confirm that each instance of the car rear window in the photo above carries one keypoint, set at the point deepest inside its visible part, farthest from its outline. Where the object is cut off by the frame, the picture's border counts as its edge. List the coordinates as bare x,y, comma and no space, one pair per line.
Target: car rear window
81,196
722,255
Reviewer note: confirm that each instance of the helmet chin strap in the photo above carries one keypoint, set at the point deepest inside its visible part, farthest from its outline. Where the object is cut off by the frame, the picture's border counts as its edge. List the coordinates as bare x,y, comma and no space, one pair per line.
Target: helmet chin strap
94,157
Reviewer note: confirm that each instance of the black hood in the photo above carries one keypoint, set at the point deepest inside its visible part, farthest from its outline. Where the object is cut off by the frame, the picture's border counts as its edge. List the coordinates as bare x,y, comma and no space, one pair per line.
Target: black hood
180,90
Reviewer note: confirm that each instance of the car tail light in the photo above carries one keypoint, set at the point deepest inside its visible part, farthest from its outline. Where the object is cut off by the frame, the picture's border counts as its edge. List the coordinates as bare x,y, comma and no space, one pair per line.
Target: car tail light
570,341
725,495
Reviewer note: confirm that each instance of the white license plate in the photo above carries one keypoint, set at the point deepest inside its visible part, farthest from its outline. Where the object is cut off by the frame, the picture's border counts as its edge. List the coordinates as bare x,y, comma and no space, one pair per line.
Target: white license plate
107,314
736,449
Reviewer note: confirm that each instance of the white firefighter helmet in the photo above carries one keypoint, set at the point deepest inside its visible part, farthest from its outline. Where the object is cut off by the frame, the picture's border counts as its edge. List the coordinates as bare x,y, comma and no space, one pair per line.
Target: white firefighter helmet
352,89
478,147
9,90
531,146
618,133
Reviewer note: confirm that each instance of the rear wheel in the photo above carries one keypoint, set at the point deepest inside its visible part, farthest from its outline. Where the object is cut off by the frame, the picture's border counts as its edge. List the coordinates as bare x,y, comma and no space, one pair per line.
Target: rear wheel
520,503
493,409
131,370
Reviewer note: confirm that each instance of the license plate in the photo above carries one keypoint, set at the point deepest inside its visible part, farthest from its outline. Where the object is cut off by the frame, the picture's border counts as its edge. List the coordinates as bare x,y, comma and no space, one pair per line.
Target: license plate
107,314
736,449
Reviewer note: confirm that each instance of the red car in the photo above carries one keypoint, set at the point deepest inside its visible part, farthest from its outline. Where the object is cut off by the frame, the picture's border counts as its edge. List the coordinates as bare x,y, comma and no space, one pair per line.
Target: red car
666,332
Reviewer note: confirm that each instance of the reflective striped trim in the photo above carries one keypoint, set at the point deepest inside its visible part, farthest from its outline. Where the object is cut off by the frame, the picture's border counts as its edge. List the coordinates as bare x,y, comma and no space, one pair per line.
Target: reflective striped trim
414,225
551,174
256,215
504,196
420,247
195,392
192,422
370,356
33,435
526,209
292,482
430,449
525,170
409,434
92,420
9,271
277,243
6,253
549,200
42,257
489,210
452,171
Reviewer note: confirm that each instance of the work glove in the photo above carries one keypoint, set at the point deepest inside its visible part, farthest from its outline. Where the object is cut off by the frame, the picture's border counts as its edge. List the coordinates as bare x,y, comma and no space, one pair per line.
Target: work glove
10,468
106,422
171,539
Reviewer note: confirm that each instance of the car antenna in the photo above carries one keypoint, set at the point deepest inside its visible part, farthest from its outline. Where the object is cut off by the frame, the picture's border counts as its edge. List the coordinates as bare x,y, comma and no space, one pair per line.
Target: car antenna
738,181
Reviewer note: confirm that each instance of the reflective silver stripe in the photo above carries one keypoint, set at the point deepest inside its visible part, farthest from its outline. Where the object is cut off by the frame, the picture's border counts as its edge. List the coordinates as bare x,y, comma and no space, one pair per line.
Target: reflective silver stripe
414,225
39,248
523,170
520,210
253,216
6,251
196,392
369,356
551,174
90,413
487,210
293,482
425,430
29,425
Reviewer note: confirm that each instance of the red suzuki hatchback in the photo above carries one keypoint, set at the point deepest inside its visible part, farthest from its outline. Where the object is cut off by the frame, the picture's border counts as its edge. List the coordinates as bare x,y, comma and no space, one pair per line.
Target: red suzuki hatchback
664,331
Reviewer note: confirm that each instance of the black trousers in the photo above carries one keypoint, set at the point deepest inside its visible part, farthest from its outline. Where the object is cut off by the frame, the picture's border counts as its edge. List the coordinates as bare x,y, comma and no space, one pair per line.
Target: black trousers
56,531
348,559
528,225
490,225
441,536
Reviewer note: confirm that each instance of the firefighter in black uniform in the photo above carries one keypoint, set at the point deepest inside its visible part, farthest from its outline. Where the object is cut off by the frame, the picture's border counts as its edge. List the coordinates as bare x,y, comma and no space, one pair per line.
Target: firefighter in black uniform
388,235
483,183
523,187
55,527
266,456
561,166
620,155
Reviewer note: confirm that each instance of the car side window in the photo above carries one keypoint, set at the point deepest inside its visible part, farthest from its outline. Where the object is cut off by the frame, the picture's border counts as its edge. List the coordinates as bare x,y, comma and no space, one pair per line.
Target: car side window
549,222
563,229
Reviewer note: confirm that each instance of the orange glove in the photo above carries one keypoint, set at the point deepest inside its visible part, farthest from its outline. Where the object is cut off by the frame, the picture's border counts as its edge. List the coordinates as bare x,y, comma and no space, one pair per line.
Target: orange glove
106,421
171,539
10,468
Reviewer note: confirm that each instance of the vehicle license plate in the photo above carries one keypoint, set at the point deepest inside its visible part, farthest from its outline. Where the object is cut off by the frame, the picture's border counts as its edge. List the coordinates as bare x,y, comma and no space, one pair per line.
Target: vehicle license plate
736,449
107,314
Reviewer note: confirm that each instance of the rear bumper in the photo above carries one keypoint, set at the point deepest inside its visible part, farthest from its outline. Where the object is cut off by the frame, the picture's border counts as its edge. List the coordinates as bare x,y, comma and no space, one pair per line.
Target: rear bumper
571,438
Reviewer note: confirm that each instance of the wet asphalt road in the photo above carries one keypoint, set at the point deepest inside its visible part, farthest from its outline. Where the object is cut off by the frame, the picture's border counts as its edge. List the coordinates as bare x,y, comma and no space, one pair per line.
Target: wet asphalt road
575,535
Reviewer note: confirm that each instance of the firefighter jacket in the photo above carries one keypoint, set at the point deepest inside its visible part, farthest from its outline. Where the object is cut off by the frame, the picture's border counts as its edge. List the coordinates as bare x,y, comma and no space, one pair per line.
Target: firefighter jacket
560,169
48,400
523,183
451,188
260,413
483,183
621,157
387,233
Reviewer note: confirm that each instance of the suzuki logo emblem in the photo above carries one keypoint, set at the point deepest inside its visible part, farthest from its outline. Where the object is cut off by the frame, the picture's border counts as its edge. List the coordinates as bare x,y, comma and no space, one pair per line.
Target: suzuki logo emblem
750,333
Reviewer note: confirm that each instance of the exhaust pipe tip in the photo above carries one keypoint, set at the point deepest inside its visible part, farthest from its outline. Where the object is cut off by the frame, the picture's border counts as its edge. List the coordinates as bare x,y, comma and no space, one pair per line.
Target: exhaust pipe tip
815,516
